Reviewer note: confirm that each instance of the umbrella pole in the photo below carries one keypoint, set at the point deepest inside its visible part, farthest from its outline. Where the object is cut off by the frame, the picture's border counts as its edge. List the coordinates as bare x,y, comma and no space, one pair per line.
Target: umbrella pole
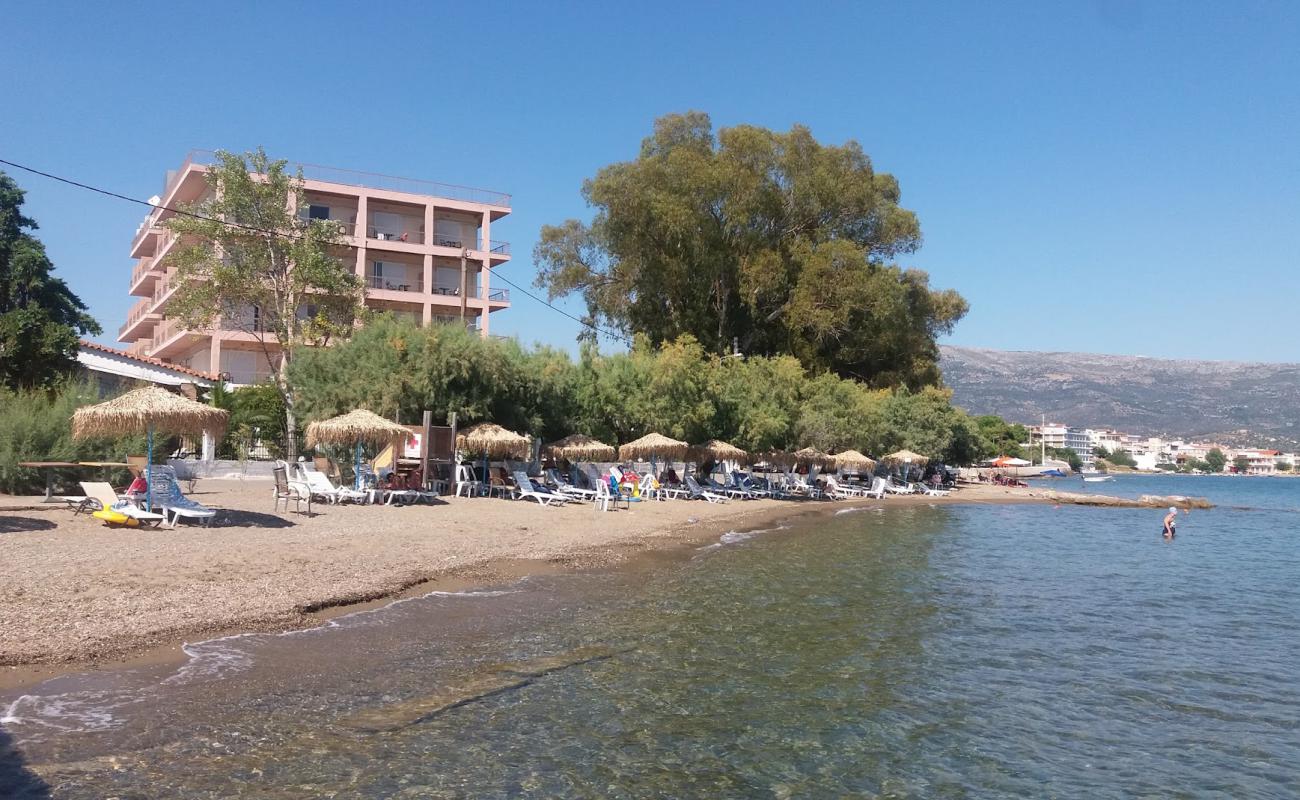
356,469
148,473
487,476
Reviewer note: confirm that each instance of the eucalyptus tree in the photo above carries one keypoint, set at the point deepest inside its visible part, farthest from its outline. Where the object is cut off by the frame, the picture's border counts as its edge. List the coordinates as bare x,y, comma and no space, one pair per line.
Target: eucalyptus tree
772,242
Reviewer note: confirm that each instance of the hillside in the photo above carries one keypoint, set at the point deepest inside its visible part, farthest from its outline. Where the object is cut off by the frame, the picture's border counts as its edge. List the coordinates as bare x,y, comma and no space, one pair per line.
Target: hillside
1232,402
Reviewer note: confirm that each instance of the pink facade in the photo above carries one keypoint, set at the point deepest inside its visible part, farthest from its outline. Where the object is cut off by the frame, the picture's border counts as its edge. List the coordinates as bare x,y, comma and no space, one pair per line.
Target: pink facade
405,238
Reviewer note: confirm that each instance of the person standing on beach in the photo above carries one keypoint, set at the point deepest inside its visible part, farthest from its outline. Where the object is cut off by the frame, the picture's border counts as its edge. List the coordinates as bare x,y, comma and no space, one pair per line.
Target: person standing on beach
1169,523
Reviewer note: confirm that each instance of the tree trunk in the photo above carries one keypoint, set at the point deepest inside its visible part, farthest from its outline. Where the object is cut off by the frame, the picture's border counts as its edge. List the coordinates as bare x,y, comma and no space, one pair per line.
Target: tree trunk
290,417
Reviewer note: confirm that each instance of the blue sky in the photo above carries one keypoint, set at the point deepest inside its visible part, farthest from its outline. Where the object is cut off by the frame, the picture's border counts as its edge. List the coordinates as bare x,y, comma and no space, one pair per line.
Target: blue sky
1095,176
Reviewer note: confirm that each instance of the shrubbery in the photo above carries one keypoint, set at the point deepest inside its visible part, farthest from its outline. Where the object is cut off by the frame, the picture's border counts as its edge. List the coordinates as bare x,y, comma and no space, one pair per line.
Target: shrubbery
37,426
396,368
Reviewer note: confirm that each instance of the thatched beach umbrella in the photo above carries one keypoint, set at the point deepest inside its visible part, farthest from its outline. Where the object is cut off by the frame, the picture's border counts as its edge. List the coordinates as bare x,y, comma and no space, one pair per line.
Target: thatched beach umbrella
714,450
777,458
493,441
652,445
580,447
145,410
810,456
852,459
357,428
907,458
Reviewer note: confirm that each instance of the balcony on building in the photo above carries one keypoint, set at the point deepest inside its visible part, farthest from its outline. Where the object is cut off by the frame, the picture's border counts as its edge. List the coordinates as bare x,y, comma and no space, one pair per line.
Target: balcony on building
143,275
337,208
140,321
394,224
395,274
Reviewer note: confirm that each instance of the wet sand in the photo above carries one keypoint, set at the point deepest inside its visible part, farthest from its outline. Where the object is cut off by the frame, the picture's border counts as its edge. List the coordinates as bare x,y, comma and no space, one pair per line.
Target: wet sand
74,593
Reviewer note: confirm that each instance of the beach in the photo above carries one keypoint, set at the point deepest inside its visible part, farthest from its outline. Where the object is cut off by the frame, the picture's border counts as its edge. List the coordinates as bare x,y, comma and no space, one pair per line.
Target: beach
75,592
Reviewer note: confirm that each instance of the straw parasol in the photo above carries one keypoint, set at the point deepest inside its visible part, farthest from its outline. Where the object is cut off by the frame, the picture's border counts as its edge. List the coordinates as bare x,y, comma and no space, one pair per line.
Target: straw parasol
907,457
809,456
580,447
145,410
652,445
777,458
714,450
357,428
493,441
852,459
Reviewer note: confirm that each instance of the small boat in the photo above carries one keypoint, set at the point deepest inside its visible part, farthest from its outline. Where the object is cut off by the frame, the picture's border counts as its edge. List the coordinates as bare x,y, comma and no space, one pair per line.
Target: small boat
1097,478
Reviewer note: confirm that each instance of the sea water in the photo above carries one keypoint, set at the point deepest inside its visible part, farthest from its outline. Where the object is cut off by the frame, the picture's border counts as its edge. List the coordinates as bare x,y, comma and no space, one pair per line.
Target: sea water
928,651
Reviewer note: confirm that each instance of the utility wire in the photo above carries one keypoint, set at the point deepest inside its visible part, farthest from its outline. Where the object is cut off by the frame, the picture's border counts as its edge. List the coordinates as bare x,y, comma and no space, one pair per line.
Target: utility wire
254,229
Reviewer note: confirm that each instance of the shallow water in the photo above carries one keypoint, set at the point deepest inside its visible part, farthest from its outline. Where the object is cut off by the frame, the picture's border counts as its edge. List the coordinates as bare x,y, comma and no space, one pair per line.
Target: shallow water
947,651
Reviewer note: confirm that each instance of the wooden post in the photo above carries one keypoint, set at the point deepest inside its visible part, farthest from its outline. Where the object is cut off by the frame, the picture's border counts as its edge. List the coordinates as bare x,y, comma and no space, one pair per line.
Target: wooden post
424,447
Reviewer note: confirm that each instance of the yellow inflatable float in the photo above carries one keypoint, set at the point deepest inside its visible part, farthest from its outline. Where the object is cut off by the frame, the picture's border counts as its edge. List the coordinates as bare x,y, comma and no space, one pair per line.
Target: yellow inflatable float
113,517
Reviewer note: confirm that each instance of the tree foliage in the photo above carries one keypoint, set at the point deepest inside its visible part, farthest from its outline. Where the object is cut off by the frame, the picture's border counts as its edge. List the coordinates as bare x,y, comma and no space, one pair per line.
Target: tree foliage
1004,438
1121,458
41,320
1215,460
249,262
397,369
770,240
35,426
1241,465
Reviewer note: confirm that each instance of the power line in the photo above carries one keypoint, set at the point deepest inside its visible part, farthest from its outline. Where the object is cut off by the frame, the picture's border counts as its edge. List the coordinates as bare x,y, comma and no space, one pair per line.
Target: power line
255,229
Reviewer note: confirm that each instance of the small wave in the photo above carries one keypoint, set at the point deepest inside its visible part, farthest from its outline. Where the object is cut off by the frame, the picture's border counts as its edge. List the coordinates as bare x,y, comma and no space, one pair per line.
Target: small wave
65,713
732,537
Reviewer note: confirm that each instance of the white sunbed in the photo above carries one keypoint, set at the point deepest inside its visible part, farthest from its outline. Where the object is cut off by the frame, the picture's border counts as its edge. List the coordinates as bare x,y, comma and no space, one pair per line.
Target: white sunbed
320,486
167,495
100,495
564,487
699,493
524,486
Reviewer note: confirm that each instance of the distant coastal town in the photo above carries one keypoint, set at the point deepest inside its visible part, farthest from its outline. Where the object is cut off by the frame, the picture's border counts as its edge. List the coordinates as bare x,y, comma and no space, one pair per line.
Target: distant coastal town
1155,454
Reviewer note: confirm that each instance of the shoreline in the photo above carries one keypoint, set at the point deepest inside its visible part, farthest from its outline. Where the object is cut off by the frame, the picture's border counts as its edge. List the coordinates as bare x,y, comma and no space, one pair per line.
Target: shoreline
676,526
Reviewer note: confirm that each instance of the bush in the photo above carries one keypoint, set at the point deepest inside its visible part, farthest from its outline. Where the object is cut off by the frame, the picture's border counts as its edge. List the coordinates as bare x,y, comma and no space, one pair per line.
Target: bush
37,426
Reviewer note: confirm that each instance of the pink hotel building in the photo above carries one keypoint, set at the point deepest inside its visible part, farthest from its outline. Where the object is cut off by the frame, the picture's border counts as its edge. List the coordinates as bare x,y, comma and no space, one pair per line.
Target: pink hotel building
407,238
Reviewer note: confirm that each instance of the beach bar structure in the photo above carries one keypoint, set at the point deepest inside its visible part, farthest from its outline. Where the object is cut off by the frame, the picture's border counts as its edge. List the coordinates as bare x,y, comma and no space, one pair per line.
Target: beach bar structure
407,240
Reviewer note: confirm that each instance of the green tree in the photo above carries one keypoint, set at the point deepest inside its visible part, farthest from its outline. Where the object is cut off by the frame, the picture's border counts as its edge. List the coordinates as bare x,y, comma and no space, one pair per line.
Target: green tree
249,262
1121,458
769,240
1241,465
1100,452
1215,460
1004,439
1068,456
41,320
1283,466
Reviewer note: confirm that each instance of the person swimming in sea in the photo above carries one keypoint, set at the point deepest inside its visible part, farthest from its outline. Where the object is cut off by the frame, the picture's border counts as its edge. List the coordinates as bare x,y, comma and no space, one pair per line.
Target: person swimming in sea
1169,529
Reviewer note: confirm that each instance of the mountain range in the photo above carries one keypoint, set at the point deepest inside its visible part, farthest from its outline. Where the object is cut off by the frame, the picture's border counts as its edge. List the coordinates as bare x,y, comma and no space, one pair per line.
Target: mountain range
1233,403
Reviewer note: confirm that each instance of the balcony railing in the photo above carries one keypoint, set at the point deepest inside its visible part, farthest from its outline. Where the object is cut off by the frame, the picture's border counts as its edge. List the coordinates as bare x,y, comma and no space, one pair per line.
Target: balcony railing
395,284
137,312
499,296
345,228
146,265
387,235
499,248
372,180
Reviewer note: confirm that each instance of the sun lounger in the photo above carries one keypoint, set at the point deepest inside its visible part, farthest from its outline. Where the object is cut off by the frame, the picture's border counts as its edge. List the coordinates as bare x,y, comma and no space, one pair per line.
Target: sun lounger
101,497
700,493
929,490
167,495
320,486
564,487
894,488
527,491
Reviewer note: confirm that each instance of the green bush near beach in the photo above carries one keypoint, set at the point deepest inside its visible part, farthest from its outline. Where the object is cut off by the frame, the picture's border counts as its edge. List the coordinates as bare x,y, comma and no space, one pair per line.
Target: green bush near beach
36,425
396,368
